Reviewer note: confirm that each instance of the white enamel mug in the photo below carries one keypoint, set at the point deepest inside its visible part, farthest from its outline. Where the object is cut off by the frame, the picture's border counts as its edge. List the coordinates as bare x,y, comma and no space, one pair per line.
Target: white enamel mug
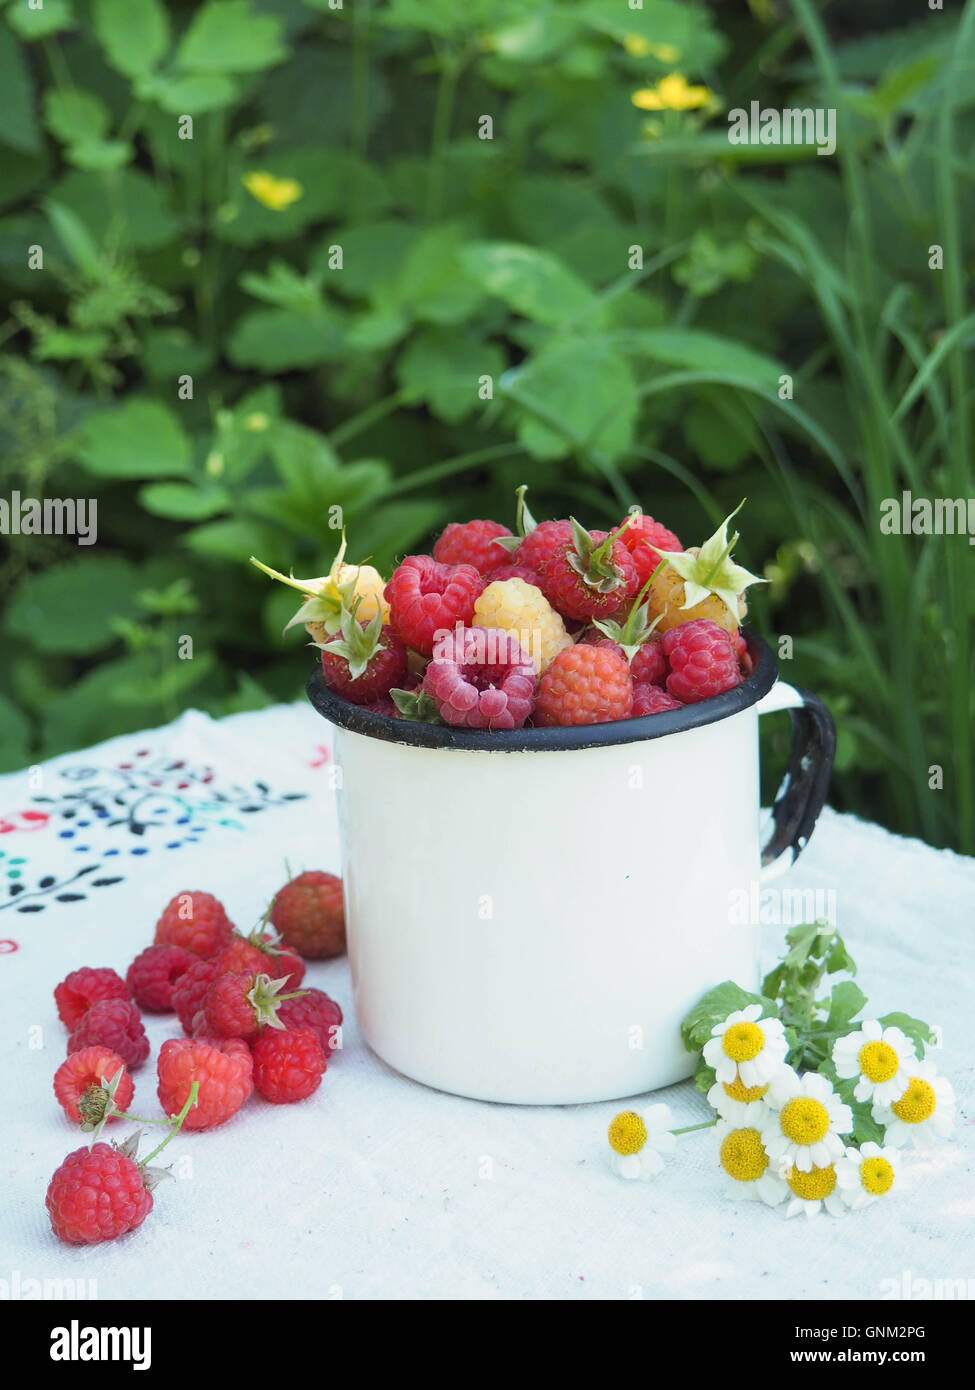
531,913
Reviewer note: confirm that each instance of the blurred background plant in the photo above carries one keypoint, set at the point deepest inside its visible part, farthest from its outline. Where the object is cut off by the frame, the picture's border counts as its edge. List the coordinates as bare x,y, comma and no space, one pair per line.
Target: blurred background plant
372,210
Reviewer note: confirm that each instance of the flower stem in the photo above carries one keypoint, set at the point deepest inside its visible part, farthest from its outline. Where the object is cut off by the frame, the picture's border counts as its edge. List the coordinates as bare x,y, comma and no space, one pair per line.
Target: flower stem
689,1129
177,1124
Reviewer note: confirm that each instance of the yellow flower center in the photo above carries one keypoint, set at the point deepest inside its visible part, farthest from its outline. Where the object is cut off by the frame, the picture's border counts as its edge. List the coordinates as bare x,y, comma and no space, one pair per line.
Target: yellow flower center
814,1185
876,1176
804,1121
627,1133
743,1041
742,1156
737,1090
878,1061
917,1103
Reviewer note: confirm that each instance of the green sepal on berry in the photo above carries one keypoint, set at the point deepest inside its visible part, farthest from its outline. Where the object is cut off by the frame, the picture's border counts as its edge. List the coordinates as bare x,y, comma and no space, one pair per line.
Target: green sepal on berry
320,605
594,563
525,523
711,569
265,996
357,644
416,705
96,1105
637,629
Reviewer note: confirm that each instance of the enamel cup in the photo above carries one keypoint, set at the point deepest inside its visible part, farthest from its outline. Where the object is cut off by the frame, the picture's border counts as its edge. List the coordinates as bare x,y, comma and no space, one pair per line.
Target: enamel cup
532,912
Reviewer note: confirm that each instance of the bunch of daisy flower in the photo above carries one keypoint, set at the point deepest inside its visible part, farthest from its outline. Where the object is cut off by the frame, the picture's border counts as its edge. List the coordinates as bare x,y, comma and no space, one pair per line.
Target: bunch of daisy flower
824,1138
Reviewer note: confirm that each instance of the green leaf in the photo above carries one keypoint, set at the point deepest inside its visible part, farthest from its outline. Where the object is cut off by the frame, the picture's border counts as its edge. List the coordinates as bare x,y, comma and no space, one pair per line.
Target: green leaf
136,439
100,154
71,607
532,282
281,340
919,1032
866,1130
53,17
330,181
67,345
75,238
192,95
244,433
898,86
433,282
15,735
183,501
232,540
19,129
226,36
563,415
133,33
694,348
845,1002
443,367
713,1008
372,254
73,115
135,215
704,1076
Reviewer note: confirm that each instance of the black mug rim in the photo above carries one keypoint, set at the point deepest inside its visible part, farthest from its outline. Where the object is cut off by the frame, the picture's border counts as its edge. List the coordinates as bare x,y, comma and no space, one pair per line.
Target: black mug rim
372,724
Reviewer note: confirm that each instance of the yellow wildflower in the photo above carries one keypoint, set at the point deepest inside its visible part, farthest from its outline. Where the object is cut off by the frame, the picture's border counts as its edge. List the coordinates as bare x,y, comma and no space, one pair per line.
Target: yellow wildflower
274,193
672,93
639,47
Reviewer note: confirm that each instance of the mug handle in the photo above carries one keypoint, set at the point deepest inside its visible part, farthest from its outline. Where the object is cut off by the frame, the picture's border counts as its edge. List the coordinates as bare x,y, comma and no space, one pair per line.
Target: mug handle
802,794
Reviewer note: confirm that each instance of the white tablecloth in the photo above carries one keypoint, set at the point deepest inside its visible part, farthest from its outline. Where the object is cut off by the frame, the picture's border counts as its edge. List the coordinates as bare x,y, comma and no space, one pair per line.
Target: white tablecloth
378,1187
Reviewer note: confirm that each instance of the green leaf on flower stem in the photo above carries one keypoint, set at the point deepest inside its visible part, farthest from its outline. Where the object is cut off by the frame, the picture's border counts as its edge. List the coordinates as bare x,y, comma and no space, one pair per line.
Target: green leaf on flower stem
192,95
866,1130
443,368
845,1002
133,33
559,418
135,215
919,1032
227,36
713,1008
704,1077
183,501
99,154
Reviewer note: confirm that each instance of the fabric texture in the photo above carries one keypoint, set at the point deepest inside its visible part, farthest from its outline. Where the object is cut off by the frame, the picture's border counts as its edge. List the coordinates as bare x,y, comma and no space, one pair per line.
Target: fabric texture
378,1187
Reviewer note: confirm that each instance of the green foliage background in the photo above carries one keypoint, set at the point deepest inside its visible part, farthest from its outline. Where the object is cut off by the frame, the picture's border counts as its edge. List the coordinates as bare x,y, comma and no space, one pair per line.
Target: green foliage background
316,385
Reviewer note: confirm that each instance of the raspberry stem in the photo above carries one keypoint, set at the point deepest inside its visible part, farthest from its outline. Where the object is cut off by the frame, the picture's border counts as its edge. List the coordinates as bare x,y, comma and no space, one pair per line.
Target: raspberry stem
176,1124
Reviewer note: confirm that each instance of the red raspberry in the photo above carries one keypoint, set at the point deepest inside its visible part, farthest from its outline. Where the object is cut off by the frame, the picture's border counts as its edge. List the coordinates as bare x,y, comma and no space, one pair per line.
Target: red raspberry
79,1089
703,661
97,1194
309,915
384,705
583,580
481,679
190,989
153,973
649,665
652,699
195,921
541,544
76,993
471,543
426,597
288,1066
584,685
244,953
365,662
117,1025
315,1010
223,1068
240,1004
639,533
595,638
514,572
744,655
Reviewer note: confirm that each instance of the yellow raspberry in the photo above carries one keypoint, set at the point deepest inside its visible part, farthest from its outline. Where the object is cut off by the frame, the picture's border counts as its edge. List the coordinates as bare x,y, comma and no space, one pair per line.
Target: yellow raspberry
667,595
524,613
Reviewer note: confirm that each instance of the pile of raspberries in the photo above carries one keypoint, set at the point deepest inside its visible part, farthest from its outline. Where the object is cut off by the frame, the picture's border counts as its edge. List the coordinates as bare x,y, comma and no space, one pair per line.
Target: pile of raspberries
491,632
248,1025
